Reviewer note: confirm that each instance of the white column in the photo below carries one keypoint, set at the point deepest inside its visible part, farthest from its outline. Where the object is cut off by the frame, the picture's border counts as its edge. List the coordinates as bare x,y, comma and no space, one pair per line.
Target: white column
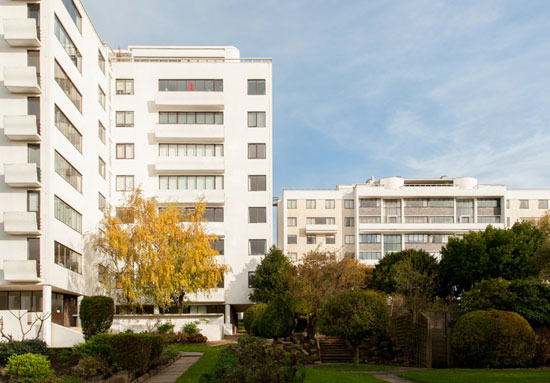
47,313
227,326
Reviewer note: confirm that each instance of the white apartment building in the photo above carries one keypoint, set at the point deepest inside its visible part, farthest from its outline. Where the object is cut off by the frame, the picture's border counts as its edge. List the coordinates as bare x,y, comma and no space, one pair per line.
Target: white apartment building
83,124
366,221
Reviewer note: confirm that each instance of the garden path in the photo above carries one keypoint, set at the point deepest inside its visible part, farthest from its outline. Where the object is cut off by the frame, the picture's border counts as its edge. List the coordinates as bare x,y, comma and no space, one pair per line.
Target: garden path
391,375
172,373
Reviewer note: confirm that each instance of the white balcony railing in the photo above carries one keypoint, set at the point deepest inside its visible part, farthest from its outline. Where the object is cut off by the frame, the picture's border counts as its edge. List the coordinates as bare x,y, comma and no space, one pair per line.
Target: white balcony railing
190,165
23,175
20,271
189,100
21,32
191,133
21,223
21,80
21,128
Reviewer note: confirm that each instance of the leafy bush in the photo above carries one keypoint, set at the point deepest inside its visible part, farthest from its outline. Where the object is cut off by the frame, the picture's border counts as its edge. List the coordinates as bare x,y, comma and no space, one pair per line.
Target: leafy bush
166,328
28,366
191,329
88,367
30,346
252,314
277,321
96,314
182,338
493,339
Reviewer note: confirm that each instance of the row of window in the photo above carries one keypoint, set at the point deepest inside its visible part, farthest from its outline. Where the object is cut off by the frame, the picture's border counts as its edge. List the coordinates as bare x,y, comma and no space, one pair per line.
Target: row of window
126,86
524,204
125,118
68,258
417,202
311,239
66,214
189,150
375,238
68,172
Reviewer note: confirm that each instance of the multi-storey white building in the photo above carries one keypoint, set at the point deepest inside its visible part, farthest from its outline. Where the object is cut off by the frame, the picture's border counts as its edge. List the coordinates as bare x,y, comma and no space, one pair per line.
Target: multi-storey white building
83,124
365,221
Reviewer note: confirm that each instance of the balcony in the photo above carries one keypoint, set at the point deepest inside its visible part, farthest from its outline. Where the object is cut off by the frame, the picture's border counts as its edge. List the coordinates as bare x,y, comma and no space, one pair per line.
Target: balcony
21,271
25,175
21,32
21,128
20,223
190,165
189,133
205,101
21,80
321,229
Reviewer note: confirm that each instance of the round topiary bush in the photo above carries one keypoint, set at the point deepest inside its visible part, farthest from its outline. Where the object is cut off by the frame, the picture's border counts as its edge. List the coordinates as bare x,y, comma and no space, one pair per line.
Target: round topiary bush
277,321
96,314
252,314
28,366
493,339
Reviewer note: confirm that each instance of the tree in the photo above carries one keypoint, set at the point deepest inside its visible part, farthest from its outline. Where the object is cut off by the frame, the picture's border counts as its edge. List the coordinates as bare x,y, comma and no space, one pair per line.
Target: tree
353,316
319,278
541,260
96,314
147,252
277,321
272,278
493,253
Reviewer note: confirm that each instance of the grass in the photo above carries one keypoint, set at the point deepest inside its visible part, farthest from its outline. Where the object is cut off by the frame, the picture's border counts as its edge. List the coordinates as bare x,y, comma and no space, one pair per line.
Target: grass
479,376
204,364
335,373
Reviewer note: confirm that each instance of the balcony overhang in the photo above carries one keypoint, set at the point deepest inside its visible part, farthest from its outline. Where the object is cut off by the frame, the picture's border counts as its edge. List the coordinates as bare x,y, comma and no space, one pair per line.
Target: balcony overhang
190,165
189,133
20,223
21,80
204,101
20,271
190,196
21,128
21,32
321,229
24,175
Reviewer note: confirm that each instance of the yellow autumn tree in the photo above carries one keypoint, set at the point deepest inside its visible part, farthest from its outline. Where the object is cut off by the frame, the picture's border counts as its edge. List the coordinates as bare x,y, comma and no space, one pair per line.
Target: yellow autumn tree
160,253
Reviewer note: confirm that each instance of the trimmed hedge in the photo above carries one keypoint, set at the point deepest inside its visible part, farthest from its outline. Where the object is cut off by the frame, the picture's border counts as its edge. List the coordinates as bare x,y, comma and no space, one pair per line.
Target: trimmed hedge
96,315
30,346
493,339
277,321
251,315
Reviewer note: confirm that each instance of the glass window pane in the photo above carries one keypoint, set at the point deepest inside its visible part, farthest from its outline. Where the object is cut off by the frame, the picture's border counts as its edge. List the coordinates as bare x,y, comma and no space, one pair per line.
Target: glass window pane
200,150
192,183
219,118
261,119
210,182
201,183
201,118
251,119
182,182
191,118
163,118
210,118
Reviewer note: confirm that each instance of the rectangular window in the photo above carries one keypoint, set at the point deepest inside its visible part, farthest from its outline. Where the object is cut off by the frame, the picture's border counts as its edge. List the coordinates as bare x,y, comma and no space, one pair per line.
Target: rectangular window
257,246
250,278
74,13
392,243
67,215
488,219
101,132
349,221
125,151
123,214
370,219
417,202
256,119
507,204
191,118
218,245
524,204
311,204
293,257
30,301
67,43
330,239
33,204
330,204
68,172
256,151
66,127
440,202
197,85
101,167
68,258
101,202
416,219
320,221
101,61
190,150
292,239
543,204
257,215
124,87
440,238
257,183
68,87
348,204
101,97
370,255
256,87
124,183
33,252
370,238
349,239
416,238
508,221
213,214
442,219
190,182
371,202
125,119
291,204
291,221
489,203
311,239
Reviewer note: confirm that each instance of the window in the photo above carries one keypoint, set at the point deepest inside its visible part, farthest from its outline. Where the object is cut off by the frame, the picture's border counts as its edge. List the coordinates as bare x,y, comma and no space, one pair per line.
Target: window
33,252
191,118
440,202
124,215
311,204
543,204
125,119
416,219
101,132
68,258
442,219
508,221
330,204
213,214
101,97
124,183
68,87
348,204
21,300
191,85
125,151
101,61
349,221
507,204
256,151
320,221
349,239
330,239
256,119
190,150
524,204
101,168
392,211
68,172
67,44
488,219
440,238
251,278
291,221
311,239
65,126
371,202
370,219
292,239
75,15
101,202
293,257
256,215
370,255
291,204
416,238
416,203
370,238
256,183
392,243
33,204
124,87
257,246
67,215
218,245
191,182
256,87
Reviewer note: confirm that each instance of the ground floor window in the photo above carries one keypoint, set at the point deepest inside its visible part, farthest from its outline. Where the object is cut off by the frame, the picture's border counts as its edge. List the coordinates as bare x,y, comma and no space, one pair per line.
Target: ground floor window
21,300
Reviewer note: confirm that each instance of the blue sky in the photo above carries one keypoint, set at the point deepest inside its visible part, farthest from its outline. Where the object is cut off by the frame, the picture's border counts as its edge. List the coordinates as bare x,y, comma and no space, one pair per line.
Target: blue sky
378,88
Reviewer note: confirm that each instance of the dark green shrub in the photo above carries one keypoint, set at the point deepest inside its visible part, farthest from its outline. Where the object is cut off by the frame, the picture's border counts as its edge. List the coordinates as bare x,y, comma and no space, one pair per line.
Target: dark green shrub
493,339
30,346
97,346
28,366
135,352
166,328
252,314
96,314
191,329
89,367
277,321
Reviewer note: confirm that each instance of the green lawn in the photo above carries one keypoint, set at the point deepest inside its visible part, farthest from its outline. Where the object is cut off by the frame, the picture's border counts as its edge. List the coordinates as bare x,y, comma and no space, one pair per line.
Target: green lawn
479,376
334,373
204,364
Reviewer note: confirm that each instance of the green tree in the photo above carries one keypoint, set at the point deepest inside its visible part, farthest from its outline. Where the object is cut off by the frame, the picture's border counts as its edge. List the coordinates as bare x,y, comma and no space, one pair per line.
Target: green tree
272,278
277,321
96,314
354,315
493,253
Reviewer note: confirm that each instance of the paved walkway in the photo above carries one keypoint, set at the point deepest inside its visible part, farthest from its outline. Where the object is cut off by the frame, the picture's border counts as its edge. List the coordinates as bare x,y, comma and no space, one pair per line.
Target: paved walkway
172,373
391,375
